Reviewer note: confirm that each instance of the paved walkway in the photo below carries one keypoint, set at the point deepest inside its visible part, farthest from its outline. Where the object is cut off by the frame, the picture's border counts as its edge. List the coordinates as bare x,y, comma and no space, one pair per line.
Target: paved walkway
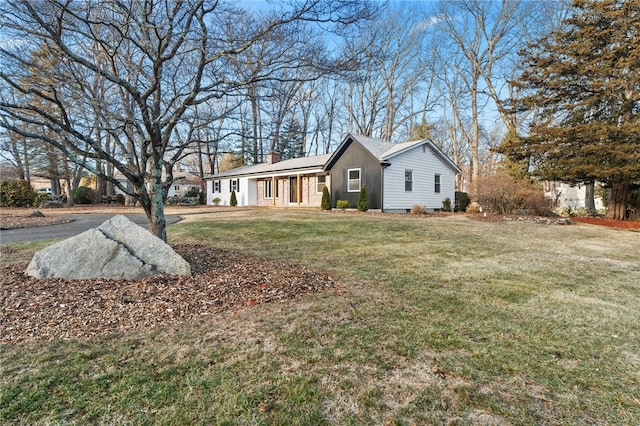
79,224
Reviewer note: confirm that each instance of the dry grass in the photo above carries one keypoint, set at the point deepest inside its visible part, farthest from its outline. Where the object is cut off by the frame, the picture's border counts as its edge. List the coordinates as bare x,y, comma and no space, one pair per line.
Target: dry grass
441,320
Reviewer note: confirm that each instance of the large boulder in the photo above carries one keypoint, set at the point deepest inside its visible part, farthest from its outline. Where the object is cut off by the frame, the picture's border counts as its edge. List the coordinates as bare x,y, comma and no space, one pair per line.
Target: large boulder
116,249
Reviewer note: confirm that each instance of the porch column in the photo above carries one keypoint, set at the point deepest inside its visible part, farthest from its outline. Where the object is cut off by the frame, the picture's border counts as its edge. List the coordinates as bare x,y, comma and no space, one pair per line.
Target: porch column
299,188
274,190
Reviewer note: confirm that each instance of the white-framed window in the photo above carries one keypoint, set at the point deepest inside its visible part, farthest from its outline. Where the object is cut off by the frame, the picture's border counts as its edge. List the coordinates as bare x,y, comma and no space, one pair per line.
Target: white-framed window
267,189
234,185
321,182
436,186
216,186
408,180
176,187
353,180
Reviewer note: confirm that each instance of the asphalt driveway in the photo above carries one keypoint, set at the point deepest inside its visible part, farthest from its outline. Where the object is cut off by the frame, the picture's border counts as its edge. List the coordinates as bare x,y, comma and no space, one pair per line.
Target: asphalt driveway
79,224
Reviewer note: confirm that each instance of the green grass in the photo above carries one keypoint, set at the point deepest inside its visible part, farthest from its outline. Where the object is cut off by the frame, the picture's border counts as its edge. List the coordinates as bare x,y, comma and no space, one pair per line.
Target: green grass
437,321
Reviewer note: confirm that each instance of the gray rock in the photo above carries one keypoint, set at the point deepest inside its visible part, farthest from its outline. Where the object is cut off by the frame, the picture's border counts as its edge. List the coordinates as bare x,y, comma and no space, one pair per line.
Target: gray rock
36,213
116,249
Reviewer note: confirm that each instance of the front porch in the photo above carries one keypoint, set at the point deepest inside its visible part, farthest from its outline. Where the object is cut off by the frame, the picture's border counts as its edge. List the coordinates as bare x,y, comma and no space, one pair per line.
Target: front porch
290,190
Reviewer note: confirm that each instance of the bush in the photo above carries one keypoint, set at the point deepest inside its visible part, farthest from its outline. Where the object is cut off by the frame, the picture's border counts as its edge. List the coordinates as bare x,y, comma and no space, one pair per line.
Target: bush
120,199
202,199
342,204
192,192
363,200
41,197
234,200
16,193
503,194
83,195
462,201
446,205
418,209
216,201
326,199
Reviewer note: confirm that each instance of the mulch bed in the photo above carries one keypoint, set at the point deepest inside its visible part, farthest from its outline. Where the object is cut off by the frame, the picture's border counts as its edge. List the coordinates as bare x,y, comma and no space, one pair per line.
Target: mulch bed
624,224
51,309
17,222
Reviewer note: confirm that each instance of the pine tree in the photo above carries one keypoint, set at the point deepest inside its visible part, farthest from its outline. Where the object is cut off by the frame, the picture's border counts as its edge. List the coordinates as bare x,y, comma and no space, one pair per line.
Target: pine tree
233,201
584,83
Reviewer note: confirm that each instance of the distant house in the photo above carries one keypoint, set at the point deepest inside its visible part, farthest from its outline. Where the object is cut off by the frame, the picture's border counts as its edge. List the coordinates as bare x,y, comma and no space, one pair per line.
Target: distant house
567,196
183,182
397,176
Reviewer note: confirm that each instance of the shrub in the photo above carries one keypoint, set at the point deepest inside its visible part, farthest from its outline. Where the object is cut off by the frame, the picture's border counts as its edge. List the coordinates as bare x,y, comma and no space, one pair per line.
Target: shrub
41,197
462,201
446,205
216,201
120,199
503,194
202,199
234,200
342,204
326,199
363,200
192,192
16,193
83,195
418,209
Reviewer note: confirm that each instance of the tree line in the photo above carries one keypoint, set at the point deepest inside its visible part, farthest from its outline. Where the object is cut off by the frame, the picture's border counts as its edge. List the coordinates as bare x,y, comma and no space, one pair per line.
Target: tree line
133,88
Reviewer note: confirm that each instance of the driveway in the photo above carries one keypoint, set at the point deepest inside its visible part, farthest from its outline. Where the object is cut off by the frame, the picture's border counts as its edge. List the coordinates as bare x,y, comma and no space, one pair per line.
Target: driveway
79,224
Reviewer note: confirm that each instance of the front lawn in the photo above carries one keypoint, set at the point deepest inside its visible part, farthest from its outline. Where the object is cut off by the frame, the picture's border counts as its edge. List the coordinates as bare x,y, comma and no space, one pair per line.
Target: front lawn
440,320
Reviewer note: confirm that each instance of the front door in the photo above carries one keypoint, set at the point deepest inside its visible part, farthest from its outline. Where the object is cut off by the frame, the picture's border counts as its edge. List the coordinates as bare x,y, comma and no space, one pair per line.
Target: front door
293,189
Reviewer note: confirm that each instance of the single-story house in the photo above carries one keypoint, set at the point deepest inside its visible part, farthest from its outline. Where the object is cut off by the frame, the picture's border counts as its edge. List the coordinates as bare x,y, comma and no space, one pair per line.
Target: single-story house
397,177
183,182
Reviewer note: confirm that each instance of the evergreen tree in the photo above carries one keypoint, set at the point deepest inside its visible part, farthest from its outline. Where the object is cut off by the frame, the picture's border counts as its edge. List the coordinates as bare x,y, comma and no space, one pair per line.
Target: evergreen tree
291,140
420,131
363,200
326,199
233,201
585,85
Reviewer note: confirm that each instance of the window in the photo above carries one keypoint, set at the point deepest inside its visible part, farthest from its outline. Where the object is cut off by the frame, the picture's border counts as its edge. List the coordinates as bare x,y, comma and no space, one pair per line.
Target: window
408,180
321,182
234,185
353,182
176,187
267,189
436,187
216,186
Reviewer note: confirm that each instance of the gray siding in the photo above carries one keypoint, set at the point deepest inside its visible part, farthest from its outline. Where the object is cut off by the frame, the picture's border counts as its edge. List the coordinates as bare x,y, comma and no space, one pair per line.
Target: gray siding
356,157
425,165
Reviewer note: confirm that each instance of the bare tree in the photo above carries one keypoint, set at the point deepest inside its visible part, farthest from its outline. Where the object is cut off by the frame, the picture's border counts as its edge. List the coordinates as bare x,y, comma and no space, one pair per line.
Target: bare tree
482,33
163,58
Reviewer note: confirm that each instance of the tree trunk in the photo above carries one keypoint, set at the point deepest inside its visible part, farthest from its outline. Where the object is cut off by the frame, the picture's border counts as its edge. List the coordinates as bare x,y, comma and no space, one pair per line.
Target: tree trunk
155,210
589,198
618,201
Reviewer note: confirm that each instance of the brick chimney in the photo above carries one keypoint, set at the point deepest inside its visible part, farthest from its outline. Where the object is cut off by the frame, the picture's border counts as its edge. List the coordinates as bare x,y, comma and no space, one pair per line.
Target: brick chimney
273,157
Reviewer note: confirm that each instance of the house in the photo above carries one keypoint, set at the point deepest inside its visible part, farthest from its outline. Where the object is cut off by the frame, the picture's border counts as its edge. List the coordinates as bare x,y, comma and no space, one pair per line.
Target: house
567,196
397,176
183,182
294,182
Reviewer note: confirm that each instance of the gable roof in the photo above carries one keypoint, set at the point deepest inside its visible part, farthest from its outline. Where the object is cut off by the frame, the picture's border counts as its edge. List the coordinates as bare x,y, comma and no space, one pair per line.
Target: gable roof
399,148
379,149
384,151
297,164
